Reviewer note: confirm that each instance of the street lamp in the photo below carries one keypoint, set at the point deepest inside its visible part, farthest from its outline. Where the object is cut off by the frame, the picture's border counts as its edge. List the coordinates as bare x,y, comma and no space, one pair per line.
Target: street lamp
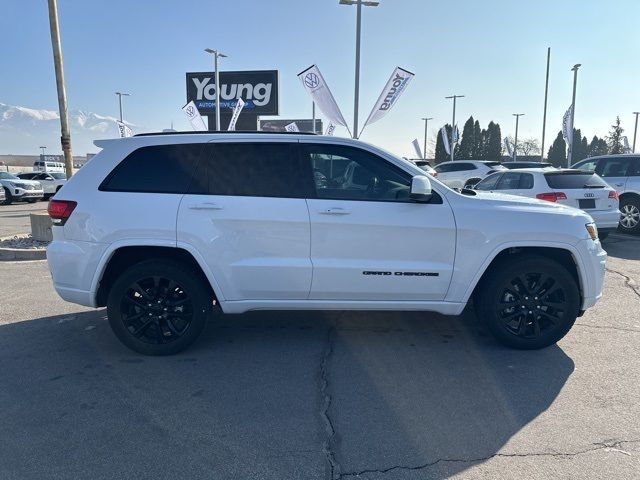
573,110
453,123
635,131
120,95
216,54
424,151
42,148
358,4
515,141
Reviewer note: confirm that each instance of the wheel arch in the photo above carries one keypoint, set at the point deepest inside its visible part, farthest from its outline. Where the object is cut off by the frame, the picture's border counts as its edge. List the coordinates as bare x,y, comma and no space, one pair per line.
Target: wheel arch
121,257
630,194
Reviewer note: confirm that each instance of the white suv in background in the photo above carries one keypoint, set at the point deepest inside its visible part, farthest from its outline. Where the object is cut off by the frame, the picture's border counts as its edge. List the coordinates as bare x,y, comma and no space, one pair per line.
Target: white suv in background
465,173
51,182
163,228
575,188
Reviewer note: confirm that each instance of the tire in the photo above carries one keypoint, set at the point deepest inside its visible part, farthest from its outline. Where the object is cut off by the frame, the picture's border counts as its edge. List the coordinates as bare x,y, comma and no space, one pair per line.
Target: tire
8,198
32,200
140,297
508,299
471,182
630,215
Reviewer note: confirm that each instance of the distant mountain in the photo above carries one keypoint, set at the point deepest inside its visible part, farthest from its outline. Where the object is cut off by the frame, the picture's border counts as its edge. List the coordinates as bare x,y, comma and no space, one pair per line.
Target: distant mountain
23,130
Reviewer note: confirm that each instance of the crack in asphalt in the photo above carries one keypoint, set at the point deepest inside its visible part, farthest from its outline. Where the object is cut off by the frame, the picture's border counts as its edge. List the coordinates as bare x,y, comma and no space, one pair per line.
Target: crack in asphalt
608,327
628,281
325,399
607,445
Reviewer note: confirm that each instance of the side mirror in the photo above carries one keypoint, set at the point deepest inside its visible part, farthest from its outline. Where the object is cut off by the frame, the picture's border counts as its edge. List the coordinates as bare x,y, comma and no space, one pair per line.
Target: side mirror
420,189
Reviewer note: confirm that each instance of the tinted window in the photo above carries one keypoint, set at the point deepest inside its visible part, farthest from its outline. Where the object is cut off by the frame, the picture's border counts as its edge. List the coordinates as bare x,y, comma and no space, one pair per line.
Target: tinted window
488,183
443,167
526,181
158,169
571,180
353,174
59,176
255,169
613,167
459,167
509,181
588,165
634,167
491,164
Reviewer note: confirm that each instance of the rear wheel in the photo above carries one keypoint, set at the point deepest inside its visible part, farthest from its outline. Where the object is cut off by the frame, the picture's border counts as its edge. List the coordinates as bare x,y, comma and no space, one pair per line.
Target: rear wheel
529,302
159,307
630,215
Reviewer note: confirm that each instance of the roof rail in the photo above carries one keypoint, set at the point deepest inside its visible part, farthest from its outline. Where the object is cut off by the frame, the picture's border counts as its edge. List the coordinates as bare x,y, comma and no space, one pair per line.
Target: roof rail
222,132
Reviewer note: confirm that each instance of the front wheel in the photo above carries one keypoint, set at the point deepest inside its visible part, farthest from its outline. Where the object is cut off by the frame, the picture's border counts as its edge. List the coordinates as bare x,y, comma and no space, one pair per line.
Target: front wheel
8,198
159,307
529,302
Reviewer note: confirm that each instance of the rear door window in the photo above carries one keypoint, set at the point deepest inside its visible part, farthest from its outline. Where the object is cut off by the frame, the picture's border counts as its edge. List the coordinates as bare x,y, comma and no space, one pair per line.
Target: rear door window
488,183
509,181
613,167
634,167
574,180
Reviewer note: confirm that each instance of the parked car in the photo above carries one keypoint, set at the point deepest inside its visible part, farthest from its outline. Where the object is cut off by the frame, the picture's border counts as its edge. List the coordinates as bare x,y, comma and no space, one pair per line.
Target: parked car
465,173
42,166
517,165
16,189
2,196
51,182
163,228
622,172
424,165
574,188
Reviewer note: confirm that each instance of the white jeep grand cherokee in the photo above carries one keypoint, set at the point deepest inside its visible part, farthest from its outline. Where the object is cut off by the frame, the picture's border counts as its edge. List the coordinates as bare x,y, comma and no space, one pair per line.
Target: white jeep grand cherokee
162,229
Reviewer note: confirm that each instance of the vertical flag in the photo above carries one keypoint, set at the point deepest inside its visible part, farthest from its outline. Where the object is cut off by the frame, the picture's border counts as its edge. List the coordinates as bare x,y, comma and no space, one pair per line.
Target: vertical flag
508,147
123,130
625,141
313,82
416,147
291,127
399,80
567,128
236,113
331,128
445,140
192,113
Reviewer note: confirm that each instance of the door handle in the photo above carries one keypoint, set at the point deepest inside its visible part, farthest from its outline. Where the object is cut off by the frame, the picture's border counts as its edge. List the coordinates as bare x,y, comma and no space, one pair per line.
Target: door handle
335,211
619,184
205,206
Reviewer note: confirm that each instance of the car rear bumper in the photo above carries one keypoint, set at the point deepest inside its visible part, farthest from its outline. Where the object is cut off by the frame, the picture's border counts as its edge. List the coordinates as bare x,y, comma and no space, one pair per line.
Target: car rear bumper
605,219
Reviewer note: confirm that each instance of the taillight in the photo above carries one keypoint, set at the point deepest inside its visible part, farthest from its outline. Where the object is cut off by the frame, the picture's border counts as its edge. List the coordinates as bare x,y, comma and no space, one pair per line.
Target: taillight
613,194
60,210
551,196
434,174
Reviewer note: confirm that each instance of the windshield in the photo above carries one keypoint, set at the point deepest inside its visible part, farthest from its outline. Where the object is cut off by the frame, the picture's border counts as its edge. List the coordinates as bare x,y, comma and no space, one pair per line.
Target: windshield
7,176
59,176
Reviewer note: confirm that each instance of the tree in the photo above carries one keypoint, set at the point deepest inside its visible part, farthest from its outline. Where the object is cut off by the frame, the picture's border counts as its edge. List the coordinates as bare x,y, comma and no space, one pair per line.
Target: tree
614,139
441,154
493,142
528,146
557,155
465,148
580,148
598,146
478,142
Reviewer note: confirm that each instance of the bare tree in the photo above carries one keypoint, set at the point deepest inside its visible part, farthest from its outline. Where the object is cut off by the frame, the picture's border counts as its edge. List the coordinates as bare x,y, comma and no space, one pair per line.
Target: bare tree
528,146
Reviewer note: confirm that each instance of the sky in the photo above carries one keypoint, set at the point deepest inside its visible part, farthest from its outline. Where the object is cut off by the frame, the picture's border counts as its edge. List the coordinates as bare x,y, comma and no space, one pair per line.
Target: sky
491,51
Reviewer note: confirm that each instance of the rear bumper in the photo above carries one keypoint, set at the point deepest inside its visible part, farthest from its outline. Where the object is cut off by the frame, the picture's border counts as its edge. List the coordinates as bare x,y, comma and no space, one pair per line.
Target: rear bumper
605,219
593,261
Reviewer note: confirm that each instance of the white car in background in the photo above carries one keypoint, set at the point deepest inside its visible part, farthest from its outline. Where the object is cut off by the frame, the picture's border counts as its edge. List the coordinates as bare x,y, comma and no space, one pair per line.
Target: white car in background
51,182
575,188
16,189
465,173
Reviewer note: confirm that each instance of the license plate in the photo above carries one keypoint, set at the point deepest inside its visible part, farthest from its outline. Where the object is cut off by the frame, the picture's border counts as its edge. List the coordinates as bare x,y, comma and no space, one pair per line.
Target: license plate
588,203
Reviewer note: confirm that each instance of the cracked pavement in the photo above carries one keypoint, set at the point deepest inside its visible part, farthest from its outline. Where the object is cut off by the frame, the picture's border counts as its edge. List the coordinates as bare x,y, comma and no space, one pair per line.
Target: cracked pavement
319,395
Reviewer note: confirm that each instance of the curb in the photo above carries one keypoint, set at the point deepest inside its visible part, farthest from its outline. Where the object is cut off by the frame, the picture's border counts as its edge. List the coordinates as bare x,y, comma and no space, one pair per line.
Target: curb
9,254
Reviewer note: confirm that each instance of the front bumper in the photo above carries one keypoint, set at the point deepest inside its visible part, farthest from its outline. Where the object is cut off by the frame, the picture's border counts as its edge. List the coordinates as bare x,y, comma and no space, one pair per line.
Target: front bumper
20,193
593,261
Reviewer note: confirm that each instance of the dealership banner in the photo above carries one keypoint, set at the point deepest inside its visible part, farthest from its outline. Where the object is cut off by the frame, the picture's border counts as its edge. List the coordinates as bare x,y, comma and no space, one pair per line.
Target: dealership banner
123,130
292,127
508,147
567,128
331,128
625,142
313,82
193,115
416,147
257,88
445,140
236,113
399,80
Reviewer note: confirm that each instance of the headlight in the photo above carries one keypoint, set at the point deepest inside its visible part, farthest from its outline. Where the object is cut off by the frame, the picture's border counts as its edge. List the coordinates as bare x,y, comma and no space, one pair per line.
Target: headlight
592,230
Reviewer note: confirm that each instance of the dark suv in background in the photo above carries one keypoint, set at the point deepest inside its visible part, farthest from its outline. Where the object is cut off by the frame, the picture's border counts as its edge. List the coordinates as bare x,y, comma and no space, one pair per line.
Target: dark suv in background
622,172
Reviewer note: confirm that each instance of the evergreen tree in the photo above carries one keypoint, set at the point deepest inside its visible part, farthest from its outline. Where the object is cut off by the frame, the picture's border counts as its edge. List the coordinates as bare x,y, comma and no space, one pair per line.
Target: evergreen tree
614,139
441,154
478,146
493,142
465,147
579,147
557,155
598,146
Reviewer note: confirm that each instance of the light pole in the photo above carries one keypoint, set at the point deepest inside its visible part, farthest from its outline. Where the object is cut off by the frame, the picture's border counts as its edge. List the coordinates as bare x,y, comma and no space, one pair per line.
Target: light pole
573,110
42,149
216,54
358,4
120,95
635,131
544,115
453,123
424,151
515,141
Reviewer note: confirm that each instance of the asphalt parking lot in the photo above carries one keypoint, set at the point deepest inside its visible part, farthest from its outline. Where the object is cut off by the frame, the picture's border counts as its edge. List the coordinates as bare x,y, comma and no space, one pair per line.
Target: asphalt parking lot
305,395
14,218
